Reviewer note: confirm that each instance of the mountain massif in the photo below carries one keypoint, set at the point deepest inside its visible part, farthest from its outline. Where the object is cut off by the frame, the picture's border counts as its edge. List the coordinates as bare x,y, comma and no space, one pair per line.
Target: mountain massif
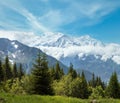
83,52
23,54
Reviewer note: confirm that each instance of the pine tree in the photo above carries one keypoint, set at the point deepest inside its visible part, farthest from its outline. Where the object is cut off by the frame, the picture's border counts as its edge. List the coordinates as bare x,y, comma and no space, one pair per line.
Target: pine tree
1,72
72,72
40,76
15,73
52,73
20,71
99,82
61,72
84,87
8,72
93,81
58,72
113,90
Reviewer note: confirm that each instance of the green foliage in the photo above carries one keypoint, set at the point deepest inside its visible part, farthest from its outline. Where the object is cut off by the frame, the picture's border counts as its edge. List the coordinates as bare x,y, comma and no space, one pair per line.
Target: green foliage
14,86
8,85
41,81
58,72
7,69
15,73
10,98
39,99
99,82
1,73
26,83
84,87
68,86
75,88
52,73
96,81
20,71
97,93
113,89
62,87
92,82
17,86
72,72
78,88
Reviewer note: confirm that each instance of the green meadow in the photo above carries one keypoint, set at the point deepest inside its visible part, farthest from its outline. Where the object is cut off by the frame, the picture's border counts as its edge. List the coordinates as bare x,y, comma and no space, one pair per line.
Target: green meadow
11,98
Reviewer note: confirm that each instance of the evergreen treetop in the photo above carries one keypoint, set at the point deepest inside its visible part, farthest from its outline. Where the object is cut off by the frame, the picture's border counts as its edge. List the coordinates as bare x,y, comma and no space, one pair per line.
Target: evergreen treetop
41,81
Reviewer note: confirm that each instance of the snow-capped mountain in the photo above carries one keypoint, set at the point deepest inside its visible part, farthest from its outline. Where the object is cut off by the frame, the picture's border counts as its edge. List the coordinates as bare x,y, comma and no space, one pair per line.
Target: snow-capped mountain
21,53
84,52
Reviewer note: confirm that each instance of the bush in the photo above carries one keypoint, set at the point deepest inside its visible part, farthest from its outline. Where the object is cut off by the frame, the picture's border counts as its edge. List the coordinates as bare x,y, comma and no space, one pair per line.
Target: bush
62,87
97,93
7,85
15,86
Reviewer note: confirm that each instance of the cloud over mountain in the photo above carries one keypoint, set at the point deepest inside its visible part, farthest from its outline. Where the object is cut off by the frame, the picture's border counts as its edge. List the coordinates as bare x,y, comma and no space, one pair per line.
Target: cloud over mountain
59,45
84,52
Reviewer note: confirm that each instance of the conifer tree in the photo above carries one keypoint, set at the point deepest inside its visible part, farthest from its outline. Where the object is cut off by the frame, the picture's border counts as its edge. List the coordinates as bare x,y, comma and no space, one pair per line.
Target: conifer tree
52,73
15,73
58,71
40,76
93,81
20,71
99,82
8,72
84,87
72,72
61,72
1,72
113,89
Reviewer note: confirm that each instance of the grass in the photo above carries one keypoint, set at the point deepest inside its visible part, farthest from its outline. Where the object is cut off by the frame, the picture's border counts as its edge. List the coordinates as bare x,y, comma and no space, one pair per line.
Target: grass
10,98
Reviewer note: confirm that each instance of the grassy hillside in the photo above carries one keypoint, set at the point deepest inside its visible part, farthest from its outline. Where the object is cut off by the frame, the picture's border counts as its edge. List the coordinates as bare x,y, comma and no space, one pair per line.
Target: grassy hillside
8,98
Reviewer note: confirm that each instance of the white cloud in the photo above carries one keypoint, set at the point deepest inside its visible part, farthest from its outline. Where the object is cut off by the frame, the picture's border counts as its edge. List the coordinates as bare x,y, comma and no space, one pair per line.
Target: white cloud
94,47
102,53
92,8
24,37
87,12
53,18
116,59
84,12
32,20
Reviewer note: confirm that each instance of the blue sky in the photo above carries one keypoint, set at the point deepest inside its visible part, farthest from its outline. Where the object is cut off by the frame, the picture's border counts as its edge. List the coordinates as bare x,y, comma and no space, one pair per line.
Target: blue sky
97,18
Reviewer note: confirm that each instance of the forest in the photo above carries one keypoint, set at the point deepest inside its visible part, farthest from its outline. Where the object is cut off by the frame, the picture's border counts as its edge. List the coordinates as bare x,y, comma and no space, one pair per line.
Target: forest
44,81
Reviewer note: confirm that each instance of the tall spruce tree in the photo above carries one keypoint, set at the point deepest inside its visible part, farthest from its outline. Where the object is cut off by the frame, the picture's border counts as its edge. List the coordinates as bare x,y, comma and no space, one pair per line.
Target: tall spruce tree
84,87
7,68
52,73
58,71
113,89
92,82
61,71
99,82
15,73
1,72
20,71
40,76
72,72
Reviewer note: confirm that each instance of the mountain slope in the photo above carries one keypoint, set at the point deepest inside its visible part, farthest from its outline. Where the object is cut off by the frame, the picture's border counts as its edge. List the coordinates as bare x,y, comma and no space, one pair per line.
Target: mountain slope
21,53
